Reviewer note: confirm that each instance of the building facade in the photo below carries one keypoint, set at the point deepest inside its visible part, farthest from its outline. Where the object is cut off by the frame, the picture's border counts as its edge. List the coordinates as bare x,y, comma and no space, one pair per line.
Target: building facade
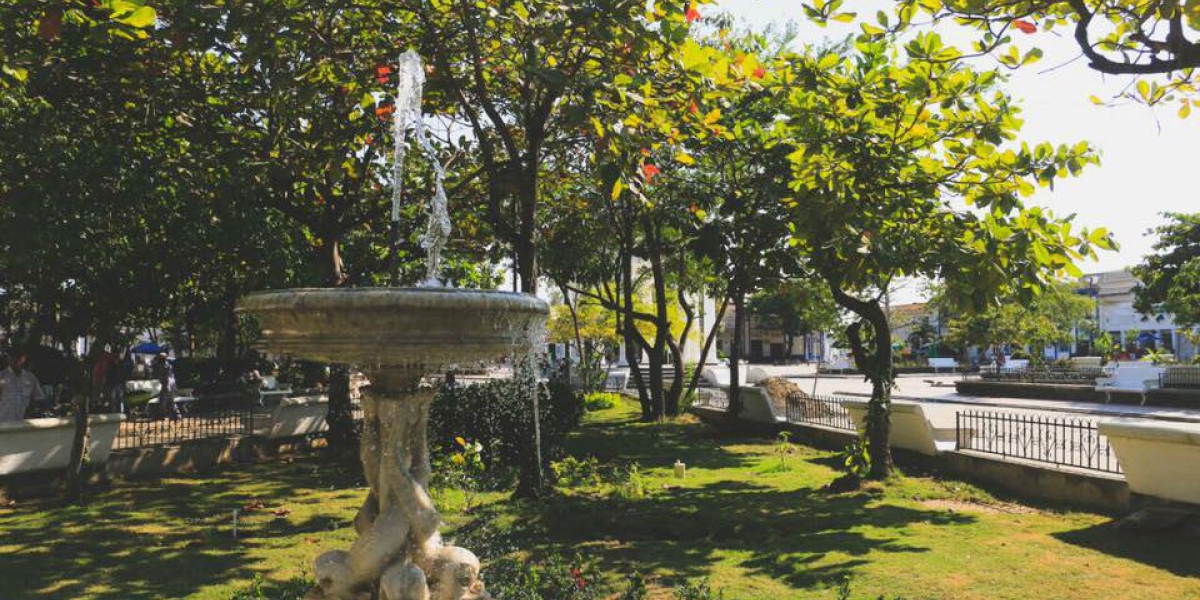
1113,292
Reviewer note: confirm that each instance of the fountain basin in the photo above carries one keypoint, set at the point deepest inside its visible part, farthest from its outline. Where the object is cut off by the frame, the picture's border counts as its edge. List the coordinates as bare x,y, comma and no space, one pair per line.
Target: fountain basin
418,328
398,336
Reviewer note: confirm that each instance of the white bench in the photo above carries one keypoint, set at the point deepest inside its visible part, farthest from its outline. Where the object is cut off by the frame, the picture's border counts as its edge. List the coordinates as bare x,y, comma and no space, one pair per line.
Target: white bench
925,428
293,417
43,444
943,363
1159,458
1134,377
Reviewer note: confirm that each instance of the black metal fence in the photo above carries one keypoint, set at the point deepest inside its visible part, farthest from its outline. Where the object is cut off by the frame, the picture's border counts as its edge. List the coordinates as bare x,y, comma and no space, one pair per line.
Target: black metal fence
826,411
143,431
1061,375
1053,440
712,398
1184,377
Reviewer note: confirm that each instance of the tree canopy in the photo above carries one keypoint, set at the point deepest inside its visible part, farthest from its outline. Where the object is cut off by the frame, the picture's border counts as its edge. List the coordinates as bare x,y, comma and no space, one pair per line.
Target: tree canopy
1170,277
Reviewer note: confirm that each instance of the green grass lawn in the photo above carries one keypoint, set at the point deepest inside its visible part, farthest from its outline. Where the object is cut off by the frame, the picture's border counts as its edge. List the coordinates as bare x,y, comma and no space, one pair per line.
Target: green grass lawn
753,529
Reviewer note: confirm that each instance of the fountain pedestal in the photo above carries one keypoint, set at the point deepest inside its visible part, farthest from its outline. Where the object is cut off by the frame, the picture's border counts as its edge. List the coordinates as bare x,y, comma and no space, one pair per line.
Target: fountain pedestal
397,336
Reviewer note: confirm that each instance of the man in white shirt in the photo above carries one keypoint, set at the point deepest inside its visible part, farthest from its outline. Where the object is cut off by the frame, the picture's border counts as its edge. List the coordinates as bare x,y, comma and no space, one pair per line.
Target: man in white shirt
18,387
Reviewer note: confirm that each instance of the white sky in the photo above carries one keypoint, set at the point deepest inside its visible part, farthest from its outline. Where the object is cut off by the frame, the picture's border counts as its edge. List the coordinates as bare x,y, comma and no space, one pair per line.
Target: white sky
1145,152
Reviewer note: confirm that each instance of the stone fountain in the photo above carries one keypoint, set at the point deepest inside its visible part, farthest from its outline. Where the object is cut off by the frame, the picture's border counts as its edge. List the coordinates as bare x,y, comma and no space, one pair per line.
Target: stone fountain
398,336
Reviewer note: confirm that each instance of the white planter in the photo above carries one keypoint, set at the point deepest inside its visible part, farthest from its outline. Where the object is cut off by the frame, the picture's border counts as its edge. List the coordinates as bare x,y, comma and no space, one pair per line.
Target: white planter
293,417
1160,458
756,406
917,427
43,444
755,375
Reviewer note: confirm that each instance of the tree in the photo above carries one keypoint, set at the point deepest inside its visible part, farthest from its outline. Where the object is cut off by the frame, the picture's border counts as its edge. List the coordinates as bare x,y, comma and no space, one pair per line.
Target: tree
1117,37
881,151
34,34
1050,318
522,76
796,308
1170,278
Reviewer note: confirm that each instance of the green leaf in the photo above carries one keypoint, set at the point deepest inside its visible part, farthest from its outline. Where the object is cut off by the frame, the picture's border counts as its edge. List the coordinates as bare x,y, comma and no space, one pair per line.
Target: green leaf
142,17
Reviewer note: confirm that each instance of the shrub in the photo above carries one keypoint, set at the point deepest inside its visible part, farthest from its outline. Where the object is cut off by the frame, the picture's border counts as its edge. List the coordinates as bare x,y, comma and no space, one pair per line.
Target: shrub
600,401
623,480
699,590
554,578
498,415
293,589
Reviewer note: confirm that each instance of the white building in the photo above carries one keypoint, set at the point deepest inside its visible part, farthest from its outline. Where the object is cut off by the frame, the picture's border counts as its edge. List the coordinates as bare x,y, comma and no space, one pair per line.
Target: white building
1113,291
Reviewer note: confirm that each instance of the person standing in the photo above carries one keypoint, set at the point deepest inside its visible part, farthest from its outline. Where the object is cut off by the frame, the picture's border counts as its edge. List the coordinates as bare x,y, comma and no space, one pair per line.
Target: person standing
165,374
18,388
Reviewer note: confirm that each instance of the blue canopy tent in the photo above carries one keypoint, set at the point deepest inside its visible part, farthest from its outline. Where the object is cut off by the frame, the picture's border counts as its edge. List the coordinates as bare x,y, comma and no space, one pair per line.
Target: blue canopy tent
148,348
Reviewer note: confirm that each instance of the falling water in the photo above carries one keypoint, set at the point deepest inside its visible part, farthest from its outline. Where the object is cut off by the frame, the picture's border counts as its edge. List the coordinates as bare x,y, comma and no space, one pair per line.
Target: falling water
409,91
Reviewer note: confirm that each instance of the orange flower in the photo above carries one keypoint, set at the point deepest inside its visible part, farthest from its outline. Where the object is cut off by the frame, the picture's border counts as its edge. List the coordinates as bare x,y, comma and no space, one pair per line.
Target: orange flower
382,73
692,14
759,73
1025,26
649,171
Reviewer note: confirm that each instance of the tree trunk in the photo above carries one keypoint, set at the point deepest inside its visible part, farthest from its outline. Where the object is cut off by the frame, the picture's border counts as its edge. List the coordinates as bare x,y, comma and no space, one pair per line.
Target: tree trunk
76,474
342,436
735,352
694,382
876,364
662,325
633,346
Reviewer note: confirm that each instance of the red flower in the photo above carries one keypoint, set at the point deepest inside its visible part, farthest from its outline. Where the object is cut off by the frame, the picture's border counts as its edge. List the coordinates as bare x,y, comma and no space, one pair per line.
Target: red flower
385,111
1025,26
649,171
759,73
692,14
693,107
382,73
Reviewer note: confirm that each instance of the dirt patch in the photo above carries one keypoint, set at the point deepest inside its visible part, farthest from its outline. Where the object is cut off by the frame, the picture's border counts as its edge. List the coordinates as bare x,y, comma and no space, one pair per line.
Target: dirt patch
976,507
778,390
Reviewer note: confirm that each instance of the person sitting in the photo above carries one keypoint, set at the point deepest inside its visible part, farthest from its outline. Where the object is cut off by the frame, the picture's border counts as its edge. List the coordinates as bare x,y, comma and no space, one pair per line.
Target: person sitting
19,387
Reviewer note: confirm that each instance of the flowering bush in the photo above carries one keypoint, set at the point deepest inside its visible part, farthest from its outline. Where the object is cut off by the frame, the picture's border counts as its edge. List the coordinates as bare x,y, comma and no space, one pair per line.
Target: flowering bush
463,470
499,415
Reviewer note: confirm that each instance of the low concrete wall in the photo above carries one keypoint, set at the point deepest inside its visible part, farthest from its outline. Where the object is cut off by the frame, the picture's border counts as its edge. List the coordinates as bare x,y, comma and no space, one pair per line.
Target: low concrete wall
1160,459
1022,479
1040,391
45,444
1075,393
192,456
1040,482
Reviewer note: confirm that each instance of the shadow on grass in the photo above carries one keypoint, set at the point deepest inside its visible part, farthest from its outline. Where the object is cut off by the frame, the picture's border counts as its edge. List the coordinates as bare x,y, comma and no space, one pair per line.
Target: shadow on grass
157,539
803,537
1172,551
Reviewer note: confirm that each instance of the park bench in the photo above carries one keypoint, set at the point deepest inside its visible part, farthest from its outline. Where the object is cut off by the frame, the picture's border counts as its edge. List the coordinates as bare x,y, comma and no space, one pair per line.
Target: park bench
1133,377
943,363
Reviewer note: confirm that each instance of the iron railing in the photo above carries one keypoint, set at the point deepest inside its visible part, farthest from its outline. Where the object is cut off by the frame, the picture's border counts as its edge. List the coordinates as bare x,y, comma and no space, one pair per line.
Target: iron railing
1180,377
712,398
146,431
1053,440
826,411
1061,375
